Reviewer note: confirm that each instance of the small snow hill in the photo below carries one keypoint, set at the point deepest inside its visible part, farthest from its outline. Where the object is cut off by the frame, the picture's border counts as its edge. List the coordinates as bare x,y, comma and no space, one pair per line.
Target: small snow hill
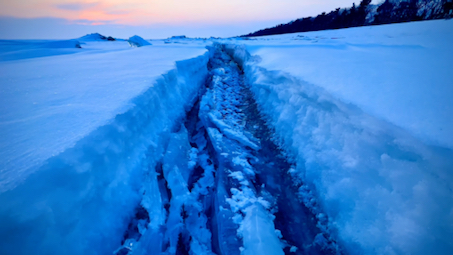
96,37
137,41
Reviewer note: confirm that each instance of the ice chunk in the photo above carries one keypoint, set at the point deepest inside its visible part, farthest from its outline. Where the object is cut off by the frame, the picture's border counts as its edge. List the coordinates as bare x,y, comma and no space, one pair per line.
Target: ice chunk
259,234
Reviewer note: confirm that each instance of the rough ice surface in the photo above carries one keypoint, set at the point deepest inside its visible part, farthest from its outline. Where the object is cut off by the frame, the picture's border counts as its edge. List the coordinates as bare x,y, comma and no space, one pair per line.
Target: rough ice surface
310,143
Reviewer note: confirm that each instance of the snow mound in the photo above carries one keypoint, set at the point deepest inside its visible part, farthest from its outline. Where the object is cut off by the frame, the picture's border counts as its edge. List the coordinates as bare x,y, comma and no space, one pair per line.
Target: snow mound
137,41
96,37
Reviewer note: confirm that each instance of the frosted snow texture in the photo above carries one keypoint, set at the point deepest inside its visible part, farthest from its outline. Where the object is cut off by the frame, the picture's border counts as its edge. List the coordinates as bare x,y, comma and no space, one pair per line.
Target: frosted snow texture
384,190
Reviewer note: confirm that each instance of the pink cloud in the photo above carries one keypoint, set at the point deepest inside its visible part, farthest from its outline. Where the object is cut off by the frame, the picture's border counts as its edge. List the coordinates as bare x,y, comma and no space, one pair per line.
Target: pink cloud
97,13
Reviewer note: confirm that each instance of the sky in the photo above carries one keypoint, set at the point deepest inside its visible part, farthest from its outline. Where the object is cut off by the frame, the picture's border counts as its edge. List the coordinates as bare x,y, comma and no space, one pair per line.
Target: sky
153,19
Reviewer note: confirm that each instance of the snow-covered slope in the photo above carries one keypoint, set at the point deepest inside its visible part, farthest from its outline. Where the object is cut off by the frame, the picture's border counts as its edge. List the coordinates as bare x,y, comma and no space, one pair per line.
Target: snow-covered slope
399,73
76,129
51,103
367,115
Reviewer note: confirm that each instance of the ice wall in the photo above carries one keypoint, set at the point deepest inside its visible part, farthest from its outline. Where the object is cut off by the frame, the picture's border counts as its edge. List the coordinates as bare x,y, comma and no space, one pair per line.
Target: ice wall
384,191
81,201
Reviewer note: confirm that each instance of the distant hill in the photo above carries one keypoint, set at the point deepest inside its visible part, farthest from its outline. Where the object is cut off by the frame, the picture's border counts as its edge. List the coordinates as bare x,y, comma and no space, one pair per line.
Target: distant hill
390,11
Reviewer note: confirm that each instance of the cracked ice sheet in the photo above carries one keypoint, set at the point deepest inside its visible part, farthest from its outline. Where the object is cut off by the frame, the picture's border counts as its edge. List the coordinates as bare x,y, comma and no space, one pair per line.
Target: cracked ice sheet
52,102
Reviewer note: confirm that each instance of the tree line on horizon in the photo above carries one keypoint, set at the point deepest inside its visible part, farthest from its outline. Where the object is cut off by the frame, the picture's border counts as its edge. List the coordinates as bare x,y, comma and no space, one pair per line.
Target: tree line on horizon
390,11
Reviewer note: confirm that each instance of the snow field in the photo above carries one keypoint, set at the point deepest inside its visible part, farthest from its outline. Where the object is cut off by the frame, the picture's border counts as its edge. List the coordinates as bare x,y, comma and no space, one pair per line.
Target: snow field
399,73
81,200
13,50
384,189
57,100
104,154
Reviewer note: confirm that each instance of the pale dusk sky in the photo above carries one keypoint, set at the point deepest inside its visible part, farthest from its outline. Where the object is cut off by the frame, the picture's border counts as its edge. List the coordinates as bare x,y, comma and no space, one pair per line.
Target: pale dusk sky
39,19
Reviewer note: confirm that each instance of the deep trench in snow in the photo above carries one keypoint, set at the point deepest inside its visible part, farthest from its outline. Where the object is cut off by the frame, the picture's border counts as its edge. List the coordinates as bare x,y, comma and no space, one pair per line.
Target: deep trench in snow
224,185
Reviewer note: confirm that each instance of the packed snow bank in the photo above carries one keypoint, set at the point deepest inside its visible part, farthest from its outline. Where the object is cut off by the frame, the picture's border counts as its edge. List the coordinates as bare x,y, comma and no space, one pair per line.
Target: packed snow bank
384,190
399,73
81,200
137,41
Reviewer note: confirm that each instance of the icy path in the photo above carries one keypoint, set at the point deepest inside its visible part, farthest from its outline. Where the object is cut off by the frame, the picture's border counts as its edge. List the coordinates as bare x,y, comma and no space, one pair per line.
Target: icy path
225,188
